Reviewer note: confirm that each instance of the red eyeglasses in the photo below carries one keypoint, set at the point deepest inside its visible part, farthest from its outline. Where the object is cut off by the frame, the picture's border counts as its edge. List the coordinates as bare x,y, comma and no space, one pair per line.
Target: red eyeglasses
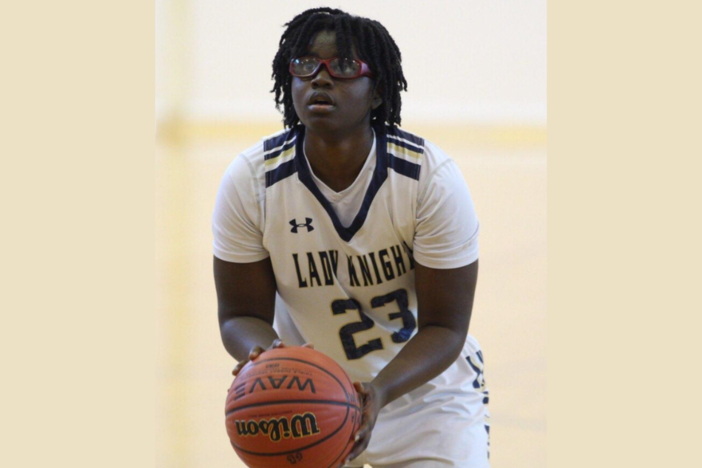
344,68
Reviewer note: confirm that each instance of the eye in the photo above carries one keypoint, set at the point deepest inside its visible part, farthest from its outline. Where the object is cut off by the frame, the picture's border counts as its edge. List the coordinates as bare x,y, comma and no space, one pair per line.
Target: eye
345,66
309,65
305,65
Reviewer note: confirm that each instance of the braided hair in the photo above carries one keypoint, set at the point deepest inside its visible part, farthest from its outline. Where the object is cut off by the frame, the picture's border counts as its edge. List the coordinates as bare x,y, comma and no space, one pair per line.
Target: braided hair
374,44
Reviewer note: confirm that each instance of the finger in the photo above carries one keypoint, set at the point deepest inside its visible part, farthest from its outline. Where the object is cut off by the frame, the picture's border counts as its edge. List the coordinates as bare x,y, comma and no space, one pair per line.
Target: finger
359,388
277,344
238,367
308,345
361,393
361,440
362,432
358,449
365,428
255,352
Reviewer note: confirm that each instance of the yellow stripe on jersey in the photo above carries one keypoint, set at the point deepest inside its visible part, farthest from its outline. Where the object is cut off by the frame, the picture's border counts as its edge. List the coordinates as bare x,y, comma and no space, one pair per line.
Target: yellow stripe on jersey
402,152
281,157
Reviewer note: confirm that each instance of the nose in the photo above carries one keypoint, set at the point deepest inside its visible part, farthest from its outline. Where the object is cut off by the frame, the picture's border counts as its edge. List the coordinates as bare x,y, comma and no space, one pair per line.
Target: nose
322,78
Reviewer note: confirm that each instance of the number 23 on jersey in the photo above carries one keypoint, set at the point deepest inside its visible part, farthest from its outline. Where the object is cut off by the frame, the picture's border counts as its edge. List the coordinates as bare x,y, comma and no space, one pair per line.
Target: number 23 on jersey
406,323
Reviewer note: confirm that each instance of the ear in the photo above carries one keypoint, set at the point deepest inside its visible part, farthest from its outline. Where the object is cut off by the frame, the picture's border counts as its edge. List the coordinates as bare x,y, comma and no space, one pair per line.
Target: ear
377,100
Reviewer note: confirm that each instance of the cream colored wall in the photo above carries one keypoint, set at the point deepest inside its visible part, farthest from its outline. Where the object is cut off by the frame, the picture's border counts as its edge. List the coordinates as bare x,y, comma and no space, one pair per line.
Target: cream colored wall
465,61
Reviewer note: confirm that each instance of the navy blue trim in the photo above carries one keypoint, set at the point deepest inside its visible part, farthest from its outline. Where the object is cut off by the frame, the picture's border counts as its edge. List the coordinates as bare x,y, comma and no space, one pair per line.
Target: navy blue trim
281,172
403,167
407,136
392,139
476,369
379,176
275,154
276,141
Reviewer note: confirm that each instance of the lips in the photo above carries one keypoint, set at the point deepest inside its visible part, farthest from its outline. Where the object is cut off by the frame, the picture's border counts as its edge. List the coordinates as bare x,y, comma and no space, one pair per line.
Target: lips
320,98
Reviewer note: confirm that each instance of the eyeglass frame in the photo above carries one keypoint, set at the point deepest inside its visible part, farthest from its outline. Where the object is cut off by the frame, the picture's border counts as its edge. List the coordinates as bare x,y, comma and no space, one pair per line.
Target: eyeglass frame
363,71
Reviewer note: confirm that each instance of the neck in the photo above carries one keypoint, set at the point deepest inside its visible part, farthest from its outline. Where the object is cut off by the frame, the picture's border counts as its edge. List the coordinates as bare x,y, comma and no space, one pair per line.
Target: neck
337,159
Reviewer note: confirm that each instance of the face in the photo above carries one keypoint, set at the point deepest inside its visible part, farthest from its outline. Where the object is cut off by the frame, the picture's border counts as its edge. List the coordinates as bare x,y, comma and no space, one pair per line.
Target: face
326,104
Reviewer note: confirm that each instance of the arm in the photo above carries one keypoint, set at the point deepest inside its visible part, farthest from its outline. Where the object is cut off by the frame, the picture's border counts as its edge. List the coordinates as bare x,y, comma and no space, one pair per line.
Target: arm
243,271
445,302
246,306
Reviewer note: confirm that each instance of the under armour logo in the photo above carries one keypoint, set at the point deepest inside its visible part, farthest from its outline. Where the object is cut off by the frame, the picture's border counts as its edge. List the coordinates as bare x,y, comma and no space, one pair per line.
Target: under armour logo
307,224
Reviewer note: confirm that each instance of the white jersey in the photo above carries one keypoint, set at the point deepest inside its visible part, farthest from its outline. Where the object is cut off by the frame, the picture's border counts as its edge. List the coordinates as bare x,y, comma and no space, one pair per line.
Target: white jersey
344,265
348,287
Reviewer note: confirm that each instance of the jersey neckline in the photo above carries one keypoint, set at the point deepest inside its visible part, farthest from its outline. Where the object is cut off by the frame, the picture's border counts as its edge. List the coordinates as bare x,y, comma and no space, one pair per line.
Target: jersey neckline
362,177
379,175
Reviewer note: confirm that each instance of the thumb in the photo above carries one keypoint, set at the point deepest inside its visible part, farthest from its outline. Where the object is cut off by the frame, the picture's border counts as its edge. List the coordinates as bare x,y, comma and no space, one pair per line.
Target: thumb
360,388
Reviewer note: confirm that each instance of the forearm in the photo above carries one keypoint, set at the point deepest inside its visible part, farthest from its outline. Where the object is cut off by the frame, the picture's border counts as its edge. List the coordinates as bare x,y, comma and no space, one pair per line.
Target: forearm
430,352
241,334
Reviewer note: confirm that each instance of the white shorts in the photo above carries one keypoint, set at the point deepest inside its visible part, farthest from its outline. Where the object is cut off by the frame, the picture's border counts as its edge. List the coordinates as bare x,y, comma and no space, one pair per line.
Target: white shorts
444,423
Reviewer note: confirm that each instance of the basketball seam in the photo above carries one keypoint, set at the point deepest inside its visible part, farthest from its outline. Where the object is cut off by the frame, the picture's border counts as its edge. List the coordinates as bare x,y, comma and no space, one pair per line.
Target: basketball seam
283,402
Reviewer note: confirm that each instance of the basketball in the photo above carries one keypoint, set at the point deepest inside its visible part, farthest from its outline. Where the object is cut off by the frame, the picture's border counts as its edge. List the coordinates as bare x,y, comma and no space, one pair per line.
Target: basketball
292,406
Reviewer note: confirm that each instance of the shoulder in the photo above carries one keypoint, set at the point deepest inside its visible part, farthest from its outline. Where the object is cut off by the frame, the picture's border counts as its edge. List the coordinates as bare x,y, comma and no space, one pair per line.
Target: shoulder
404,139
432,163
254,161
405,152
404,144
439,165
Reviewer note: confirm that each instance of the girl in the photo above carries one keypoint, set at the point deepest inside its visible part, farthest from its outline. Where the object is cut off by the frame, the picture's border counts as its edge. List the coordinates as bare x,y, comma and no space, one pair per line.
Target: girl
346,231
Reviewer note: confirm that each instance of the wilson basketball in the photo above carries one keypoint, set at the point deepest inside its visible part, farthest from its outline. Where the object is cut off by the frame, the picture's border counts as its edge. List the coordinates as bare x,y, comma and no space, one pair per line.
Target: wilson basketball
292,406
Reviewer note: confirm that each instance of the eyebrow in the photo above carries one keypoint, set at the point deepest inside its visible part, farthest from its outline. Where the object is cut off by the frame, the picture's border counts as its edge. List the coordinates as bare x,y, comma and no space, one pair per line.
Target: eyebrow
312,54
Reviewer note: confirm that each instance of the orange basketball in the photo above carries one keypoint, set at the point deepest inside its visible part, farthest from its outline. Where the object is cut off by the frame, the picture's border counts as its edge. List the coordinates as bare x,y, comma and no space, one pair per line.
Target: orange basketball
292,406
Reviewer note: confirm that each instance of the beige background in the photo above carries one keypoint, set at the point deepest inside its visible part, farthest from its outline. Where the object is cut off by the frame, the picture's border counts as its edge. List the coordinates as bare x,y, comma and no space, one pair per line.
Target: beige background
624,231
77,295
76,258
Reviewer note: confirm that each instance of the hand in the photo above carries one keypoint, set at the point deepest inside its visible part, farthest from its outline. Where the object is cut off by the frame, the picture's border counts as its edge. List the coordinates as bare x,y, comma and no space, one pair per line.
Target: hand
257,350
370,407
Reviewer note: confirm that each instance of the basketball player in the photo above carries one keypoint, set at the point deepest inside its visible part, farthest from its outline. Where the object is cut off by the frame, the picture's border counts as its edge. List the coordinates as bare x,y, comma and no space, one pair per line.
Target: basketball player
348,232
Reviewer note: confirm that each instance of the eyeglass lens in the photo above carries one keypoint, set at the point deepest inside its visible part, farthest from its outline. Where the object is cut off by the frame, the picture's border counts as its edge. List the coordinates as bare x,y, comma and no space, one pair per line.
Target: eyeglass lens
339,67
